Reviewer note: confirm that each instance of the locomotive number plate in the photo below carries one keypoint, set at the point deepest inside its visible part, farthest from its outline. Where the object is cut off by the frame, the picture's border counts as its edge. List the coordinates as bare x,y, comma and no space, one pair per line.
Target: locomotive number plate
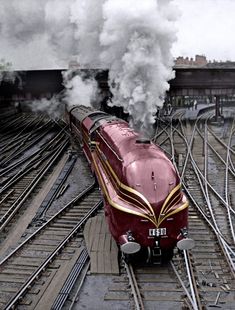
157,232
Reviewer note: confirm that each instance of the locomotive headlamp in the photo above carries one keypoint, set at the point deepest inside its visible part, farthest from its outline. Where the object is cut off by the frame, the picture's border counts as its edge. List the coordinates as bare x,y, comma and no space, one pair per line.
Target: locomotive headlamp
186,243
128,244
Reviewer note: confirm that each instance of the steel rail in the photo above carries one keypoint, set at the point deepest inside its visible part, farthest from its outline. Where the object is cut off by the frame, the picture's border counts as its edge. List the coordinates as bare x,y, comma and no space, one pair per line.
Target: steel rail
192,162
49,259
57,188
221,142
25,136
226,248
231,163
227,185
14,300
33,163
6,218
163,141
79,196
42,148
207,197
7,121
190,144
200,173
134,287
202,177
173,130
16,124
163,130
12,142
227,146
205,193
197,170
18,163
206,187
194,298
192,282
70,281
19,150
75,297
217,154
182,283
170,138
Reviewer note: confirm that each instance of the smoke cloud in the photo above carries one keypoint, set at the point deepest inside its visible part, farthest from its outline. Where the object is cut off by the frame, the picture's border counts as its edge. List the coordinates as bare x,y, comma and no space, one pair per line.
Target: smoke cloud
52,107
143,64
131,38
36,34
79,90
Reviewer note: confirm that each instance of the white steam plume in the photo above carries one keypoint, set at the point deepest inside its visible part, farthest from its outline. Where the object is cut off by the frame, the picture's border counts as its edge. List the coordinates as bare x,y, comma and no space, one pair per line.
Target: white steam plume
79,90
36,34
52,107
87,15
133,39
138,35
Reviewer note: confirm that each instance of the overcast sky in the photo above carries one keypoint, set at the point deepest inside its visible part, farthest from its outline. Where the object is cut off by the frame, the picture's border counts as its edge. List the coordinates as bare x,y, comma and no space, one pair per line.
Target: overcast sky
206,27
36,33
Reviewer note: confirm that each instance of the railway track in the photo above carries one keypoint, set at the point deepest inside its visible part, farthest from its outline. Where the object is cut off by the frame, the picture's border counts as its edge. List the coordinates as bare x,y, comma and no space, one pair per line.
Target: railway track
147,287
32,259
19,178
203,277
158,287
20,134
212,257
198,279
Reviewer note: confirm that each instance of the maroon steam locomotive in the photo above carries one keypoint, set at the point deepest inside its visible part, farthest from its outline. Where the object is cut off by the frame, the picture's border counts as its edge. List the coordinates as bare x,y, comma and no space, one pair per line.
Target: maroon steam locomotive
144,205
